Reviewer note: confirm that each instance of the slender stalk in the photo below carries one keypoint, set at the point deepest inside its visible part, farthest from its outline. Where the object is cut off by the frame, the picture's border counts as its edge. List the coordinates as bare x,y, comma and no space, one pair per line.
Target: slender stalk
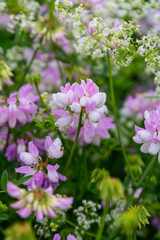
129,200
116,117
147,171
102,224
7,140
30,64
135,236
48,112
149,174
41,99
74,144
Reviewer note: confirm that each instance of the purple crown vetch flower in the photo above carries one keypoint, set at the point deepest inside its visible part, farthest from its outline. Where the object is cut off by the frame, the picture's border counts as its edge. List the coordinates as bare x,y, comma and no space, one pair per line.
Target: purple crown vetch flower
39,201
18,107
150,136
44,174
83,97
69,237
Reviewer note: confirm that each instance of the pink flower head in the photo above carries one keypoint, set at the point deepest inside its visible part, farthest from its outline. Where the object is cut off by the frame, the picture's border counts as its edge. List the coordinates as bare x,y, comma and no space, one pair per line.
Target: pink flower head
39,201
83,97
44,175
136,106
149,136
19,107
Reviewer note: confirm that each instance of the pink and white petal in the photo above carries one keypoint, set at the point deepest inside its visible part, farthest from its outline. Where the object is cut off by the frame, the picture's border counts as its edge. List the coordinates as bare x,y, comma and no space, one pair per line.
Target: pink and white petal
144,148
33,149
27,158
144,135
154,148
24,212
137,139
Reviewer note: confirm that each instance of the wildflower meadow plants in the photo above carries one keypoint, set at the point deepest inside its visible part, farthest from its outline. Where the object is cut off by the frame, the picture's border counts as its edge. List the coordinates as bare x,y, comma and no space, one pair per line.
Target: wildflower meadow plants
79,119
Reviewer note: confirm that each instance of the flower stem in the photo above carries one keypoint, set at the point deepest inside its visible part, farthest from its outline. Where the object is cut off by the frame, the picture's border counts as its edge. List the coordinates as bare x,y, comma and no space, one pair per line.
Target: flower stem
100,230
147,171
116,117
74,144
49,114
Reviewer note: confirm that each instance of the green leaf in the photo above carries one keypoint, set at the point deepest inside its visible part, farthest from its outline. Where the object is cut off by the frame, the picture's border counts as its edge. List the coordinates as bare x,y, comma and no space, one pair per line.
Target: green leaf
4,180
22,180
3,217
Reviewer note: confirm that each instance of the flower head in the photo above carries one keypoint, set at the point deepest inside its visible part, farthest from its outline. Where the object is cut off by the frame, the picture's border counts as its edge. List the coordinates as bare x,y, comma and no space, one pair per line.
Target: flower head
39,201
150,136
18,107
44,174
85,98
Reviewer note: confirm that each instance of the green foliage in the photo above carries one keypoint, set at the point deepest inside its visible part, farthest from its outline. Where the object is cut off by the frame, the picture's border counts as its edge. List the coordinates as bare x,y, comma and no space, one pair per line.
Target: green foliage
46,123
4,180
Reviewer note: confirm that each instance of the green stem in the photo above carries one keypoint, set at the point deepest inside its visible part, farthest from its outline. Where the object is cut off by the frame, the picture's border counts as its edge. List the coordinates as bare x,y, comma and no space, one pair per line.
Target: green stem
74,144
102,224
30,64
129,200
146,172
116,117
49,114
151,168
41,99
7,140
135,236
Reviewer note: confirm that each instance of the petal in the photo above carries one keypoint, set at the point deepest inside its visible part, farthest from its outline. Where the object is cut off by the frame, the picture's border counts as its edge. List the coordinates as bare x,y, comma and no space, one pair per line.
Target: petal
33,149
144,135
57,237
26,158
144,148
154,148
24,212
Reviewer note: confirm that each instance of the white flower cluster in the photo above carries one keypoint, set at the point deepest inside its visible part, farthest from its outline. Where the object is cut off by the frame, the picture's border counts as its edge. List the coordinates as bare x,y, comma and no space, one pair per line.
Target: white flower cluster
87,215
15,56
25,20
136,9
149,48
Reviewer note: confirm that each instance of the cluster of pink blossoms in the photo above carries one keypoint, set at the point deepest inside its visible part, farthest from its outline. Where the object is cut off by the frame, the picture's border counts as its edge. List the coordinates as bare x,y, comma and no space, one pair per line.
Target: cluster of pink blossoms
18,145
83,97
150,136
39,201
18,107
44,174
58,237
136,106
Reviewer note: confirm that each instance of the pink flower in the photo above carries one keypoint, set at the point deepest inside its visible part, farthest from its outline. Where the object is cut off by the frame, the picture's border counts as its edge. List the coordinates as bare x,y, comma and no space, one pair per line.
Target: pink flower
44,175
39,201
150,136
58,237
83,97
136,106
19,107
